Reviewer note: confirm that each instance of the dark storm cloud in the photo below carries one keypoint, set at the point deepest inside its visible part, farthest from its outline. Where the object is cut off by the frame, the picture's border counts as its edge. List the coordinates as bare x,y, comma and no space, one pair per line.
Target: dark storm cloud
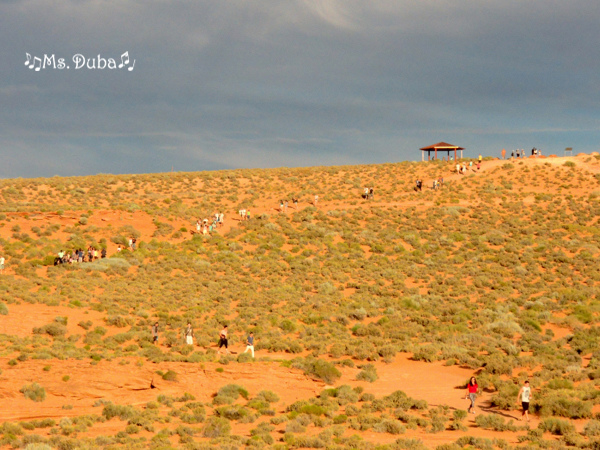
271,83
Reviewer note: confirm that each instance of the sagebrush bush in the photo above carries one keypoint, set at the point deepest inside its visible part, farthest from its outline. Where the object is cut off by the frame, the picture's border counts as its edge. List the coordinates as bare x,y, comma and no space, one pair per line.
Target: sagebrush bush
34,392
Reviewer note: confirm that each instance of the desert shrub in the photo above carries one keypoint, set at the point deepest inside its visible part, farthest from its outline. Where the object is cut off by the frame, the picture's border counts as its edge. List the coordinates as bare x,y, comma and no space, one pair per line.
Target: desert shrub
53,329
319,368
408,444
560,405
169,375
118,321
34,392
399,399
505,397
592,428
267,396
229,394
216,427
343,394
389,426
368,373
232,412
556,426
499,364
3,309
123,412
494,422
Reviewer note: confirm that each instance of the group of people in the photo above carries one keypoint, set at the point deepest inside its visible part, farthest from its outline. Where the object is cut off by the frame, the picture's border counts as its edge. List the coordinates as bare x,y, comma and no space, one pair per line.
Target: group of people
520,153
523,397
462,168
79,255
188,335
368,193
283,204
202,226
244,214
437,184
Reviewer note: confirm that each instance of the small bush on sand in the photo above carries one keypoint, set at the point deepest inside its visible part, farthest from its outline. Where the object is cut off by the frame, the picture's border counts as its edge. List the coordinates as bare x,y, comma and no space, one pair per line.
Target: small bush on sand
216,427
34,392
556,426
319,368
494,422
368,373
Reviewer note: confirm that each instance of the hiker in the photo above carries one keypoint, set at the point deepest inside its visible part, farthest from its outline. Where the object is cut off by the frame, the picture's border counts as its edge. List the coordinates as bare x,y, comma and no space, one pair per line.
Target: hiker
285,206
316,199
247,214
366,193
457,168
472,390
2,264
524,396
478,166
221,218
512,154
440,182
250,344
103,253
280,205
133,242
155,333
471,165
189,334
479,158
419,185
371,194
295,202
223,340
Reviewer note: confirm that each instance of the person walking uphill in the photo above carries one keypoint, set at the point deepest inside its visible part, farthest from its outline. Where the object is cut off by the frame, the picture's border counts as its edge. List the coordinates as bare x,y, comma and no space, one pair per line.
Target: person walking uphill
155,333
472,391
189,334
250,344
524,396
223,340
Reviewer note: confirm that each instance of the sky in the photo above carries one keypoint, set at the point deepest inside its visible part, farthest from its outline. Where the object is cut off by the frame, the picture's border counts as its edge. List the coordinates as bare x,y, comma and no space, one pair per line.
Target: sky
226,84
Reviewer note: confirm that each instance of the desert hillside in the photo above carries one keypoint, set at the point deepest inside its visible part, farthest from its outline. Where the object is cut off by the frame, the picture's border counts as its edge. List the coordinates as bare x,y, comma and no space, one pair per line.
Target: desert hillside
369,315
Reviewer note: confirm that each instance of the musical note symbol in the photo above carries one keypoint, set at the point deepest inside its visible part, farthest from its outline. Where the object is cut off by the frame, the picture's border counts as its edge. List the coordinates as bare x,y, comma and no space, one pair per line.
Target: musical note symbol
28,59
124,60
35,60
131,68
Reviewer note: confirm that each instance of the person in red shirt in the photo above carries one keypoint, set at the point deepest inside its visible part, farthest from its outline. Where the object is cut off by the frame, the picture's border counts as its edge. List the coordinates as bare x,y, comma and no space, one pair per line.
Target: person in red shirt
472,391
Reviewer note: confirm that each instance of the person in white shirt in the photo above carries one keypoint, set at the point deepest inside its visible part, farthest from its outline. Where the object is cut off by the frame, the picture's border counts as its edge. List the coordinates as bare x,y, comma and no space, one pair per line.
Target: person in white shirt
525,397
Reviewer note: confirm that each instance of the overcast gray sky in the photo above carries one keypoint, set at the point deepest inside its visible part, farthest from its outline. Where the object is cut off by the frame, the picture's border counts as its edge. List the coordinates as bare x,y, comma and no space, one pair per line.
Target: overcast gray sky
268,83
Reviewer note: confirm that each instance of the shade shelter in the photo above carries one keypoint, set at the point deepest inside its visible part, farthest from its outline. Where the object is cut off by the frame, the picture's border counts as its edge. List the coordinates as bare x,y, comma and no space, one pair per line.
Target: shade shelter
440,147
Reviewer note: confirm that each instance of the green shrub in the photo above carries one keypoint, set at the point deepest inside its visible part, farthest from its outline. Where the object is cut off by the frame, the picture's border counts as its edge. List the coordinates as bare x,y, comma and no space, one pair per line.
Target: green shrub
169,375
216,427
319,368
592,428
368,373
34,392
560,405
494,422
556,426
3,309
54,329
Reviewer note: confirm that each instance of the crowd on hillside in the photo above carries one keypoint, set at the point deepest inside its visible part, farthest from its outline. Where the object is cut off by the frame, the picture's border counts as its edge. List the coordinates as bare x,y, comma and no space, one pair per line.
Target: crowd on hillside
79,256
